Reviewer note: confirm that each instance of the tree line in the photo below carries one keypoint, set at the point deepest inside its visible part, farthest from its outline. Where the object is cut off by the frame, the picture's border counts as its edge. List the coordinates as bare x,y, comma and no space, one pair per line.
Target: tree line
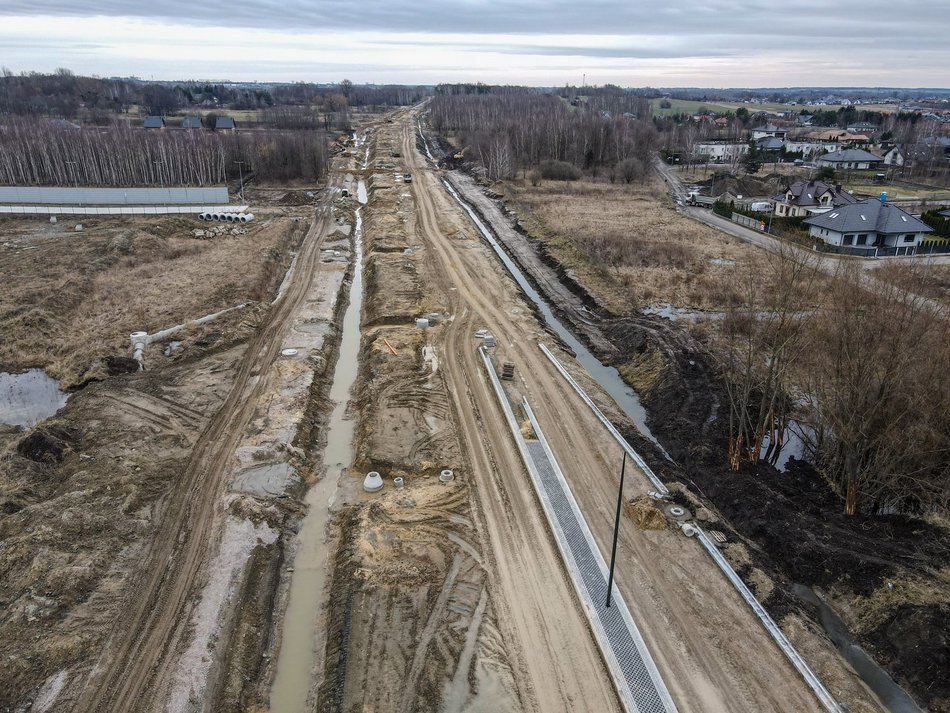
39,153
65,95
510,129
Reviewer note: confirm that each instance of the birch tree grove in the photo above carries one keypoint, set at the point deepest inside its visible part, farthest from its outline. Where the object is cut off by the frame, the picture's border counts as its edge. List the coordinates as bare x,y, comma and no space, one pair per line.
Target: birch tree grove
38,153
518,129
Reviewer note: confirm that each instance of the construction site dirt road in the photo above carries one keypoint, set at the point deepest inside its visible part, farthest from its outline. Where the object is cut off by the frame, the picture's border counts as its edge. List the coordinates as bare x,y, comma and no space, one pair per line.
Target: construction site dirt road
441,595
152,626
712,653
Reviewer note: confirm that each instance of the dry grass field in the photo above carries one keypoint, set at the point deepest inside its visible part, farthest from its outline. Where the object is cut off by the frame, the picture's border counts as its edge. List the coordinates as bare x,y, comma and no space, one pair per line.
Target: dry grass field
68,299
920,277
629,245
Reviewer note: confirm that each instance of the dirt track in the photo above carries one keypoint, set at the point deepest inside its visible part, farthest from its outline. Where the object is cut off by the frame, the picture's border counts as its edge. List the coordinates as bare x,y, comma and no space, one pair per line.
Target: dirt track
711,650
463,603
140,653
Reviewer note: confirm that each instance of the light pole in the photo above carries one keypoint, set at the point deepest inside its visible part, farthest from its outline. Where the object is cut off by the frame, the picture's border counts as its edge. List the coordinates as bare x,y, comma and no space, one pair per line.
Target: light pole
613,549
241,172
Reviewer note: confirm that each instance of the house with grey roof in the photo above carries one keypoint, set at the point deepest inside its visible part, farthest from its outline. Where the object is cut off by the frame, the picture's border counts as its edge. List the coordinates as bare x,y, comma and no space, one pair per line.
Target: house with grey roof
191,122
770,143
224,123
153,122
868,224
850,158
769,130
810,198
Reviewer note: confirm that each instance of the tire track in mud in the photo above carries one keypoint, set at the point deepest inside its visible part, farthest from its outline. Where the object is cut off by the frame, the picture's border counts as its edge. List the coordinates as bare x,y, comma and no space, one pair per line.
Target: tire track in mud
557,665
140,652
706,643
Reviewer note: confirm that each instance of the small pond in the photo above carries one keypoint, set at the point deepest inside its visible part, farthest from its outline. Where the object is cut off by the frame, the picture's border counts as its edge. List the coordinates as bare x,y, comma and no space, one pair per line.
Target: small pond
28,397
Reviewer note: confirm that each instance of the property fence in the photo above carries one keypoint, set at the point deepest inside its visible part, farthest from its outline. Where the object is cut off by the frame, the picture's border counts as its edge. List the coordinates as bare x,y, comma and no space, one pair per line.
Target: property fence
910,251
748,222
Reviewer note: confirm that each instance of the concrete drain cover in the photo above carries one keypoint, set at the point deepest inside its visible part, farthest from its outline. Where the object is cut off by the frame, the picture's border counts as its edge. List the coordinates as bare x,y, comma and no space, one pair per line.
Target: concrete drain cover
677,512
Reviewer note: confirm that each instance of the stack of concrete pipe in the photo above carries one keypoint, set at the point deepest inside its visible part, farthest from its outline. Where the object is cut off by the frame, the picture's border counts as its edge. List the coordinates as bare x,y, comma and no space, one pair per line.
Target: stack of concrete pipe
219,216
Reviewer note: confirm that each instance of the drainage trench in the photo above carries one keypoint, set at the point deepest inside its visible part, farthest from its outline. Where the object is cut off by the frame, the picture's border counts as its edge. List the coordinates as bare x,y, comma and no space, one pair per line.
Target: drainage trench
607,376
301,642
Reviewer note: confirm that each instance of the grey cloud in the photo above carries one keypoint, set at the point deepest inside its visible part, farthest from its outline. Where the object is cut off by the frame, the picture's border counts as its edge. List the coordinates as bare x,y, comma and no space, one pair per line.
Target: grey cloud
919,20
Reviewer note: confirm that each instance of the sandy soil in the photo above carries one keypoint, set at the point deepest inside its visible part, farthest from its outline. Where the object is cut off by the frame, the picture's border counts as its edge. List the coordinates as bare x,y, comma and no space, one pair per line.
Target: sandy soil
884,575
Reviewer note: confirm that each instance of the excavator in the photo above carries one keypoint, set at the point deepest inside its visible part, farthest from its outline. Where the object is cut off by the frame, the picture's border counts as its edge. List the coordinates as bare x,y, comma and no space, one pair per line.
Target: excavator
460,155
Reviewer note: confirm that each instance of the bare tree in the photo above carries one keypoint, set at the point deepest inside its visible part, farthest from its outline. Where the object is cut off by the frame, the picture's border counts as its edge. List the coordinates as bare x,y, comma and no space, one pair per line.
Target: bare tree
764,337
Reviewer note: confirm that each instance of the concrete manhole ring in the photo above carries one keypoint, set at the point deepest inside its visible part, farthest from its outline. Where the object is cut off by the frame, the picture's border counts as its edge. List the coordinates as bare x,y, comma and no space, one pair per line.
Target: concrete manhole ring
289,352
446,476
677,512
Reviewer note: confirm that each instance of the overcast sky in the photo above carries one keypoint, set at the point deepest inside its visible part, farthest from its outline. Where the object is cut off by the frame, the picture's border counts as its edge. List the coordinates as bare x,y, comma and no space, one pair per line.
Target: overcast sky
715,43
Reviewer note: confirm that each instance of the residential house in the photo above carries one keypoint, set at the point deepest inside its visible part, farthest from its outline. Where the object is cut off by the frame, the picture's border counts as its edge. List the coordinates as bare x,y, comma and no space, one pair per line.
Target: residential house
808,148
770,143
839,135
769,130
810,198
863,127
868,224
224,123
153,122
895,156
191,122
935,146
850,158
721,151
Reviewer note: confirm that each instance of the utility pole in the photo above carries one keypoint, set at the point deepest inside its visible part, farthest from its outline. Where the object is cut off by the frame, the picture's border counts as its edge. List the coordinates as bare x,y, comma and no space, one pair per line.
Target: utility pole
241,170
613,549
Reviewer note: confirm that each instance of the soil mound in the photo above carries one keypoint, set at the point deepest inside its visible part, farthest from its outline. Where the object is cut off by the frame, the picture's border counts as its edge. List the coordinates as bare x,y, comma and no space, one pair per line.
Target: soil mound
47,444
646,515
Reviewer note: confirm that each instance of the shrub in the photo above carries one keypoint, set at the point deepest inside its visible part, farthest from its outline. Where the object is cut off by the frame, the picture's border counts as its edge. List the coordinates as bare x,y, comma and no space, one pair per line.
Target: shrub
559,171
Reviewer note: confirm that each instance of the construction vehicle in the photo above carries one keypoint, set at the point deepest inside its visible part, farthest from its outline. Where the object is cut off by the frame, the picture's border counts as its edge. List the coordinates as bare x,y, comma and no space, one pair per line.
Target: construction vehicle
460,155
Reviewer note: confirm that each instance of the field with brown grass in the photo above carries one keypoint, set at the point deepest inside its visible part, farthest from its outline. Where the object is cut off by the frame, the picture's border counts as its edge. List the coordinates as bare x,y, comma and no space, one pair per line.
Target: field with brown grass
69,299
628,244
920,277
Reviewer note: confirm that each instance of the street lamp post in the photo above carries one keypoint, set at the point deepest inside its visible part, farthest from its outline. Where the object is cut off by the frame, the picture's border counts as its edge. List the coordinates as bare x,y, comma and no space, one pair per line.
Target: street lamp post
613,549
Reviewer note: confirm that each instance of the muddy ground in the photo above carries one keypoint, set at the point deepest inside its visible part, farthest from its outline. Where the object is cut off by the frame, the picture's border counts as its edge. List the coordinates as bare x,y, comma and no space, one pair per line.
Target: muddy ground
887,576
411,624
82,494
